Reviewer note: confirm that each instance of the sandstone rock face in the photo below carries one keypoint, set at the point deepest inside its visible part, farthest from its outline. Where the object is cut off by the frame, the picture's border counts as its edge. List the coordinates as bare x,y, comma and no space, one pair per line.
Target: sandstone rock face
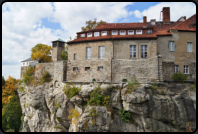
165,109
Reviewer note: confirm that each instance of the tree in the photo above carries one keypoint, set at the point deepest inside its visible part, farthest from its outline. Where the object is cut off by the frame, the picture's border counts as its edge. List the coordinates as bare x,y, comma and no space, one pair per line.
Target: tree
92,24
64,54
3,81
41,52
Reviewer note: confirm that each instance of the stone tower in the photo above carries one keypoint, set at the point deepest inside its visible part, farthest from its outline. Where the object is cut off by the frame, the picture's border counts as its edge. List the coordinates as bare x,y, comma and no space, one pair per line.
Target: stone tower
57,48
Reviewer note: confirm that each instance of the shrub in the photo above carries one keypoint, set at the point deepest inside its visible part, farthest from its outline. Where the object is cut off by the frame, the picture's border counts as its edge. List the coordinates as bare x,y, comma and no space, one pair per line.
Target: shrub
194,87
124,80
125,116
27,77
132,85
97,99
21,89
46,77
71,91
178,76
74,116
93,79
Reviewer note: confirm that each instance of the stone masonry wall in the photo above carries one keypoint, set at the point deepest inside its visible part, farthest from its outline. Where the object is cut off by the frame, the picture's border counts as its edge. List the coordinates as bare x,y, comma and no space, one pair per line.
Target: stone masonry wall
23,69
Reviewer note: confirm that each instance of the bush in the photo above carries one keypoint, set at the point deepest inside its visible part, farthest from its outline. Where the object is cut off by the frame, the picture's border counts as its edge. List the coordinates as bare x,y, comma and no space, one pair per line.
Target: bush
178,76
71,91
124,80
194,87
97,99
46,77
125,116
132,85
27,77
21,89
93,79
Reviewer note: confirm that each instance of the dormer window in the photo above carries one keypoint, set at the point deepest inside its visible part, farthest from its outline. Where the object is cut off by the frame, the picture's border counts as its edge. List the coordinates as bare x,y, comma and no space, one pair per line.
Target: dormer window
122,32
138,31
82,35
114,32
149,31
103,33
89,34
153,22
96,34
130,32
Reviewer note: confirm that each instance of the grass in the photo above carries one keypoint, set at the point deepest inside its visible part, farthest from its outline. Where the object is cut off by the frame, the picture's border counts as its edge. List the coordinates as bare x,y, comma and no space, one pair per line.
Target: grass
133,84
71,91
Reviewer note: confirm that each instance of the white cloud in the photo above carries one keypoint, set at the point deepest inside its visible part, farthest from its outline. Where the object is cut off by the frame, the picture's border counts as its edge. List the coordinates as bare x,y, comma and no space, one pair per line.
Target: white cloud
12,70
138,14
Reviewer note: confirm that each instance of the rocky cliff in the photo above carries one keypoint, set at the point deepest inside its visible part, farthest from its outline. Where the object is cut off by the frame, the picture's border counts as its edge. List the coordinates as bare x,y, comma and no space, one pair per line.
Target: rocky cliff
166,109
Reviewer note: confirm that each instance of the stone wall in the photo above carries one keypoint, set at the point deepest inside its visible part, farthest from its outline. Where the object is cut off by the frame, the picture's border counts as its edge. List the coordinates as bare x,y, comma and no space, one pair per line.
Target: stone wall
145,70
23,69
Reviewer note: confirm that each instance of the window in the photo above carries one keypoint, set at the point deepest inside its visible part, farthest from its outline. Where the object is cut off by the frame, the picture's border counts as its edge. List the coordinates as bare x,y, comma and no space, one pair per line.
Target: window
82,35
54,44
87,68
89,34
130,32
88,54
23,63
171,46
104,33
61,44
100,68
96,33
122,32
75,68
74,56
101,52
143,51
189,46
176,68
114,32
186,70
132,51
149,31
138,31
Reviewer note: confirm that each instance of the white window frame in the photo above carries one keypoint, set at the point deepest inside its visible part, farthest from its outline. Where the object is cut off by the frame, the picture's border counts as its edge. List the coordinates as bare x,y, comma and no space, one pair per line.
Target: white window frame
75,56
82,35
89,34
88,52
23,63
176,68
101,52
100,68
122,31
149,32
96,34
114,31
104,33
189,46
130,31
186,69
144,51
171,46
132,51
75,68
140,32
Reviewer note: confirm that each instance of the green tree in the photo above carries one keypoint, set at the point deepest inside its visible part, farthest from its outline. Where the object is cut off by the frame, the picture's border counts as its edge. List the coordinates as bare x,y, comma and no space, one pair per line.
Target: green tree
92,24
11,115
64,54
41,52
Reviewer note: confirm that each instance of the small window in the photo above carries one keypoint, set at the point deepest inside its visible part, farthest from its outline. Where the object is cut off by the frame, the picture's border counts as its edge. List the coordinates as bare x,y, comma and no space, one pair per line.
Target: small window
114,32
89,34
130,32
186,70
23,63
171,46
122,32
75,68
176,68
82,35
138,31
133,51
104,33
87,68
101,52
88,53
100,68
149,31
143,51
74,56
96,33
189,46
54,44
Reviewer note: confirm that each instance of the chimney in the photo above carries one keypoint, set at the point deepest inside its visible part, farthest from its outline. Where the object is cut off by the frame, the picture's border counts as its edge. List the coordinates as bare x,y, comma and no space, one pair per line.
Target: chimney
144,22
166,15
184,17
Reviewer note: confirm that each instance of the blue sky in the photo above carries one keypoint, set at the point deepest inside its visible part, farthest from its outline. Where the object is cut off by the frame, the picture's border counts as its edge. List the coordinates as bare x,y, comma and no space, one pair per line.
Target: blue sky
25,24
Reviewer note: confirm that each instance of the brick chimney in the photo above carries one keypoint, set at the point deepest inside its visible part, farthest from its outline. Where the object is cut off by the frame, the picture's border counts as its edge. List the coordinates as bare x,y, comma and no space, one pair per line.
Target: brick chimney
166,15
144,22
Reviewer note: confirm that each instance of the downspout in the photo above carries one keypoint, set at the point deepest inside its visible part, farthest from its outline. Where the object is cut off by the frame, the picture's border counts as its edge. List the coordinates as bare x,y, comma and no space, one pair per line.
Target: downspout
112,58
158,66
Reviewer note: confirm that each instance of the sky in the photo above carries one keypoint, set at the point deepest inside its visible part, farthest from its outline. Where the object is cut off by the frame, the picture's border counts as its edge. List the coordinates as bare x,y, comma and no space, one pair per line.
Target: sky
25,24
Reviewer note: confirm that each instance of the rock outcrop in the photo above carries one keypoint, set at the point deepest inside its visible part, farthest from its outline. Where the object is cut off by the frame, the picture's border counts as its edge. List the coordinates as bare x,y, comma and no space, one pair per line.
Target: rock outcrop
166,109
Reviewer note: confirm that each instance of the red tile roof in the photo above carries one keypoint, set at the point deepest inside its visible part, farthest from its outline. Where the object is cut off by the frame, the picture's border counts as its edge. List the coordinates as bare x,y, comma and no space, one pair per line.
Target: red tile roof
158,29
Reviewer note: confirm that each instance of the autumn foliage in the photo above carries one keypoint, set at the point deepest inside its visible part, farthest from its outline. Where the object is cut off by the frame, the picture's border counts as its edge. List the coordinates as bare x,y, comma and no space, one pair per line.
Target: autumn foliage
41,52
92,24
